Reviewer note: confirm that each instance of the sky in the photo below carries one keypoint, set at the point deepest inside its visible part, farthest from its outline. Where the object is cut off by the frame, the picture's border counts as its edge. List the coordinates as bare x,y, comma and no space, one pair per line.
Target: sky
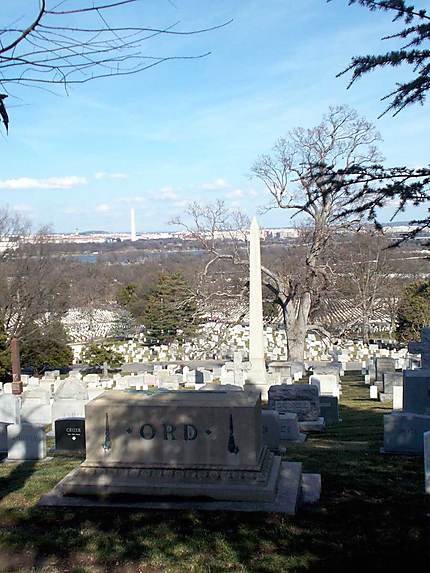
189,130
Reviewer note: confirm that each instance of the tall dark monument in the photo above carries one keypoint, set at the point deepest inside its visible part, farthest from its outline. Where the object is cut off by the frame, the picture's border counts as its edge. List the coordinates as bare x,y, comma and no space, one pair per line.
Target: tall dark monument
16,367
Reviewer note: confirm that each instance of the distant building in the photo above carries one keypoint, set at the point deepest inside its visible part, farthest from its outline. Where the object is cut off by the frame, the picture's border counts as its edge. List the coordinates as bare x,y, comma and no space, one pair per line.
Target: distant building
133,236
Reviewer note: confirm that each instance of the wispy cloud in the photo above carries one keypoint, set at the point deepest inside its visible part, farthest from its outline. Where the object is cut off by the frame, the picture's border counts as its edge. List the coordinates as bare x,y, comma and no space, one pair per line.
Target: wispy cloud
215,185
72,211
241,193
112,176
23,208
103,208
237,193
50,183
132,200
166,193
181,204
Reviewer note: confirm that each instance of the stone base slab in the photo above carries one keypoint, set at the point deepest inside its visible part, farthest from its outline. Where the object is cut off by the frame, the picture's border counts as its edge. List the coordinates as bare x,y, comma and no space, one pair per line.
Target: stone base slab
17,388
385,452
79,455
287,498
312,426
23,462
311,488
118,481
299,440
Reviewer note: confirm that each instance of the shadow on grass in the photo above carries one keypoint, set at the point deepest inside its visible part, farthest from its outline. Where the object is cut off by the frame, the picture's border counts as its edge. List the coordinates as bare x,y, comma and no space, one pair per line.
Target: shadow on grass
373,516
16,479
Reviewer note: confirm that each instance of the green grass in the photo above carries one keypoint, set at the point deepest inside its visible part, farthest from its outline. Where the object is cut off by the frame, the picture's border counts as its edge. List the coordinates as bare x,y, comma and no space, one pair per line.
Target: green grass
373,516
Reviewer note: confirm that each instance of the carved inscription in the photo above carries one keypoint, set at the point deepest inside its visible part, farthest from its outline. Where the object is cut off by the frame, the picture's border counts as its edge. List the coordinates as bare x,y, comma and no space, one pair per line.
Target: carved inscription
169,432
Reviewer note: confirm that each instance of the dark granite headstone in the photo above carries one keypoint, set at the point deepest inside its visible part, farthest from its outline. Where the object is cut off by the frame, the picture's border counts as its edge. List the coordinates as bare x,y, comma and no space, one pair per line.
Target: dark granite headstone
70,435
391,379
199,377
300,399
383,365
416,391
329,409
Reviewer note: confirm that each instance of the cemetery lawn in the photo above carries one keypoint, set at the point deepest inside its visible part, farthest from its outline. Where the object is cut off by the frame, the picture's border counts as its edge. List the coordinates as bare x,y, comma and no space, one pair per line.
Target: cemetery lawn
373,516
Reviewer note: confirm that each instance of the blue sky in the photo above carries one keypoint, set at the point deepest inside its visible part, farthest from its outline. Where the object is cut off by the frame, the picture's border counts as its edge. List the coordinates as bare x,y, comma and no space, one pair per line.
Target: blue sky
190,130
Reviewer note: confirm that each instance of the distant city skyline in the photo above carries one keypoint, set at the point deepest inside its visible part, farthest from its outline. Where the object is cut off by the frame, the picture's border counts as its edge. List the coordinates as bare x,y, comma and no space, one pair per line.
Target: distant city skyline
190,130
98,235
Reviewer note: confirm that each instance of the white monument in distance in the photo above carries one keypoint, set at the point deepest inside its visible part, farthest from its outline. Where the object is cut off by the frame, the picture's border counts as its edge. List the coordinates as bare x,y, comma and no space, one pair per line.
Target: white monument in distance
256,377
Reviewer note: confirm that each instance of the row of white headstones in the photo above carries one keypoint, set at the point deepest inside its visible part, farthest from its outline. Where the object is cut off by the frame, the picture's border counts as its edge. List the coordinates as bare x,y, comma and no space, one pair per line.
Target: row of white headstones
218,341
45,393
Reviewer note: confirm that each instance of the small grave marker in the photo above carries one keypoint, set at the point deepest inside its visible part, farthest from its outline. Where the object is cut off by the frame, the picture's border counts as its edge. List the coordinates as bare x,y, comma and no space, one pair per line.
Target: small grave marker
70,435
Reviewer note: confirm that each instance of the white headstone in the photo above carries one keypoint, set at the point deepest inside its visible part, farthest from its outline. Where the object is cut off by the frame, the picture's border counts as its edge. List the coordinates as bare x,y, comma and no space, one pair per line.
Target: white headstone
25,442
91,378
327,384
9,409
373,392
36,407
397,397
69,400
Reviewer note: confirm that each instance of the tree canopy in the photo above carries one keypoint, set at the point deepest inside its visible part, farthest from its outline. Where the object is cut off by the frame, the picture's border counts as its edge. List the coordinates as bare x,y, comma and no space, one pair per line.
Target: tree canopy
46,354
413,53
170,312
97,355
43,347
378,184
414,311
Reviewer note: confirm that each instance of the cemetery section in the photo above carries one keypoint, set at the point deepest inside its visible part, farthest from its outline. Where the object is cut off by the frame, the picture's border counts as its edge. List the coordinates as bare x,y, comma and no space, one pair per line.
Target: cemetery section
356,479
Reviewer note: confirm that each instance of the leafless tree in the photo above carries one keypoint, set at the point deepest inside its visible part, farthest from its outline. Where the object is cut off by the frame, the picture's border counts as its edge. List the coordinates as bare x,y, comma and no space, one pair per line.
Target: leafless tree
64,42
222,233
364,277
32,288
223,281
12,228
292,177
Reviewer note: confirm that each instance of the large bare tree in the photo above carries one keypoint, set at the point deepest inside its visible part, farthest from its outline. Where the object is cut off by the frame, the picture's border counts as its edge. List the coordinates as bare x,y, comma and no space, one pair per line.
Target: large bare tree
291,175
62,43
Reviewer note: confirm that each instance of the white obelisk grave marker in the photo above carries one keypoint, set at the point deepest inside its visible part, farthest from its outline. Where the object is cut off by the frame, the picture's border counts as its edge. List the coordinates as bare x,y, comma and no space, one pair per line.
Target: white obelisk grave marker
256,376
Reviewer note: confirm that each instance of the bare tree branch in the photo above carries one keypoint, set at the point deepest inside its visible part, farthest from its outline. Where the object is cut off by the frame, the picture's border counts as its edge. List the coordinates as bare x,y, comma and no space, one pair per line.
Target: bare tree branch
75,46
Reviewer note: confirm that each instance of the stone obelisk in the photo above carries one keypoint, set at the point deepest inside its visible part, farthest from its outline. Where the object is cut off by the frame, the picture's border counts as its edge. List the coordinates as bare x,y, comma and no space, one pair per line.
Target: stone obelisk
16,367
256,376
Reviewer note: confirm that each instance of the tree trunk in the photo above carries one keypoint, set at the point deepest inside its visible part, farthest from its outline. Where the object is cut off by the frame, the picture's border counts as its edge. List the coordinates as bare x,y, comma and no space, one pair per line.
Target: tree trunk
365,328
296,327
